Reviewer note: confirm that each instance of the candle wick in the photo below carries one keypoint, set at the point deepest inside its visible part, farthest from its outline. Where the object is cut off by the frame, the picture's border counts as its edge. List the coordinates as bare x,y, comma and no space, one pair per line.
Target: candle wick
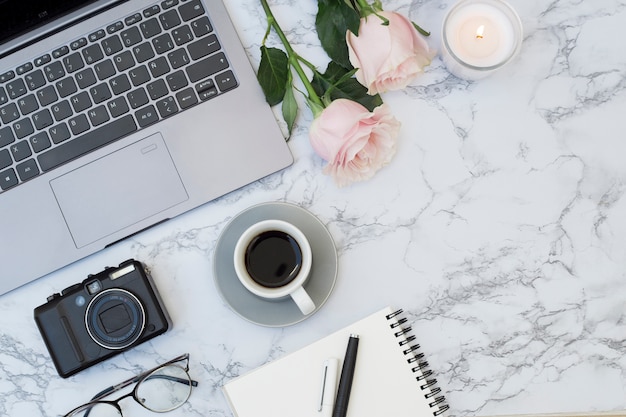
480,31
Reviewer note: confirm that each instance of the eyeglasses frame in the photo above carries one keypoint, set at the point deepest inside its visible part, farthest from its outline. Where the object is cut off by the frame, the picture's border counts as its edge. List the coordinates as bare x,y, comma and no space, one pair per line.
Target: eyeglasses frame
138,379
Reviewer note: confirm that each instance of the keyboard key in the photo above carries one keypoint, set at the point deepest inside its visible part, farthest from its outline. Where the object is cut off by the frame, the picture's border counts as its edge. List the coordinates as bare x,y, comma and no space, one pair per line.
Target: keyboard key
203,47
137,98
186,98
146,116
111,45
35,79
226,81
8,179
28,104
23,69
159,67
131,36
73,62
99,34
118,107
58,53
176,80
191,10
131,20
6,136
182,35
163,43
114,27
5,158
16,88
9,75
150,28
20,150
206,90
93,53
85,78
67,86
9,113
104,69
47,95
169,19
42,60
4,98
27,169
42,119
119,84
206,67
59,133
168,4
139,75
54,71
157,89
86,143
78,43
178,58
23,128
201,27
98,115
40,142
167,106
78,124
151,11
80,101
61,110
100,93
143,52
124,61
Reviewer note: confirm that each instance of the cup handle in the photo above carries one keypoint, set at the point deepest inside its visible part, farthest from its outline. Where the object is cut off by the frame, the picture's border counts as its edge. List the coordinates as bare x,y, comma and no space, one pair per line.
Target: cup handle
303,301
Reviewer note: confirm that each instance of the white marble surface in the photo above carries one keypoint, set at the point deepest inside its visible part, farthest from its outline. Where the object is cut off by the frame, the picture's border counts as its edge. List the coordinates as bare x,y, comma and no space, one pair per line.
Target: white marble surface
499,226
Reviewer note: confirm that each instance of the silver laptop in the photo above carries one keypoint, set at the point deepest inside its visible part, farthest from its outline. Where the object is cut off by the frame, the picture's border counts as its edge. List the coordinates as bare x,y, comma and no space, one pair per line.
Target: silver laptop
116,116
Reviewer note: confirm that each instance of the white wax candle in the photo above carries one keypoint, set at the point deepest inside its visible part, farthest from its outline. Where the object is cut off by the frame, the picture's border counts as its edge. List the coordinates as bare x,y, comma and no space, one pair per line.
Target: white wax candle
480,36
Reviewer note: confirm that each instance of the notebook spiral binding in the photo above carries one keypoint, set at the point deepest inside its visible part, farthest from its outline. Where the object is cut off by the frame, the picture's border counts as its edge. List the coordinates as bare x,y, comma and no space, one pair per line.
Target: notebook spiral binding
426,383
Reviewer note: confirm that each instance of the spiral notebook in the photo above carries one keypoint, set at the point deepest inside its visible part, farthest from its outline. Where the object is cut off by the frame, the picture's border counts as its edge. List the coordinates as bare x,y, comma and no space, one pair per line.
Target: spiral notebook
391,376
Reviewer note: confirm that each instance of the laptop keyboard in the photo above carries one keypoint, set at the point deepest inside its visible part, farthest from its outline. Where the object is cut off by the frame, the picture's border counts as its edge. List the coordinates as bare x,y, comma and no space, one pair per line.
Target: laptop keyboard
107,84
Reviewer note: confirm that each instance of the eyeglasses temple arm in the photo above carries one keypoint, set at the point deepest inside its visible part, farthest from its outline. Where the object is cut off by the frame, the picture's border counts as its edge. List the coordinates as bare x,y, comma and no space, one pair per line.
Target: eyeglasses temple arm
136,378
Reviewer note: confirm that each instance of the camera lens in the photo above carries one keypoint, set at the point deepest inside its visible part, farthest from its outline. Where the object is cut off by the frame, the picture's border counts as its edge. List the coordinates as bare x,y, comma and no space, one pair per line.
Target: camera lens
115,319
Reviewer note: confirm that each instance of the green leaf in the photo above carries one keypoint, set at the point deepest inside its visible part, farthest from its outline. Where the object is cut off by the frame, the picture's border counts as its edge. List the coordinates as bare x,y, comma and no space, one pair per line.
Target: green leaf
290,107
337,82
334,19
273,74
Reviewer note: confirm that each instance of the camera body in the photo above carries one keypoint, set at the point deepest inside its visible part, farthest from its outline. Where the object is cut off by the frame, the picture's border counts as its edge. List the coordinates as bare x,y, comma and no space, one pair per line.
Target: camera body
100,317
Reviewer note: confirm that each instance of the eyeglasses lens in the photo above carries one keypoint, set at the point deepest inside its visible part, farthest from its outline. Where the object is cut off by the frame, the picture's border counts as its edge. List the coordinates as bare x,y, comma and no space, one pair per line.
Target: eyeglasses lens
165,389
98,410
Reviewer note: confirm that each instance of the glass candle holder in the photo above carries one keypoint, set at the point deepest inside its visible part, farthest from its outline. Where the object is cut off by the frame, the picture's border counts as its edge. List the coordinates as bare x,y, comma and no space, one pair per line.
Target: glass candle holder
479,37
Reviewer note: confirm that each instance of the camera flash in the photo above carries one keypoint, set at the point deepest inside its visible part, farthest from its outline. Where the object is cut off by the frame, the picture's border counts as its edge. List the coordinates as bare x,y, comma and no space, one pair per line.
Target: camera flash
93,287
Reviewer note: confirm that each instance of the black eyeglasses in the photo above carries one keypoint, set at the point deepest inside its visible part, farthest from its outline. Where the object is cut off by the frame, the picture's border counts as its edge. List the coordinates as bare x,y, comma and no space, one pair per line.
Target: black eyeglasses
162,389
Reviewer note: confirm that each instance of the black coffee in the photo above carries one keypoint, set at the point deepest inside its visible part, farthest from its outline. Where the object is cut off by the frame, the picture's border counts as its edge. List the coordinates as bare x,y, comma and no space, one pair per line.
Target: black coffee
273,259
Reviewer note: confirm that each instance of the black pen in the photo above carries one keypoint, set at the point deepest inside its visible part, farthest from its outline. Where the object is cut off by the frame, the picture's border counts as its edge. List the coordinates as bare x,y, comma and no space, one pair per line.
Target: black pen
347,373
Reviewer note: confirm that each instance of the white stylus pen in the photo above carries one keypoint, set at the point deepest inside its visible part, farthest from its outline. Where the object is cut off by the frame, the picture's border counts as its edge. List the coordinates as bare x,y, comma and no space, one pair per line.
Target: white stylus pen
328,388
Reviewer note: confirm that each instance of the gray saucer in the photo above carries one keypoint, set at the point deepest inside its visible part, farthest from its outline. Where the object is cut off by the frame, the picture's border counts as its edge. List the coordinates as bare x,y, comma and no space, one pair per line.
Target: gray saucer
283,312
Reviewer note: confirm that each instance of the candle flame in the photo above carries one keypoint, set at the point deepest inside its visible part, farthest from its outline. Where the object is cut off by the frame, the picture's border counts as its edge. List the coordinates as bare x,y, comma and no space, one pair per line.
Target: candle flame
480,31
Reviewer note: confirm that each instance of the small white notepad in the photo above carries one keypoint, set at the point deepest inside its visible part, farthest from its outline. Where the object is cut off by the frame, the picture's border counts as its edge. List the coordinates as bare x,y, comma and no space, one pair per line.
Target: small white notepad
391,378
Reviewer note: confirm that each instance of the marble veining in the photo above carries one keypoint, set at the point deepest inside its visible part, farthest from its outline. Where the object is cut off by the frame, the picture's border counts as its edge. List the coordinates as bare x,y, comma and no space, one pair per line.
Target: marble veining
498,227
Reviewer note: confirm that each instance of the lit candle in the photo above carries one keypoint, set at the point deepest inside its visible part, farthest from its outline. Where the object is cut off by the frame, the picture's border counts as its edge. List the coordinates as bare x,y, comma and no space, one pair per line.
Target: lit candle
480,36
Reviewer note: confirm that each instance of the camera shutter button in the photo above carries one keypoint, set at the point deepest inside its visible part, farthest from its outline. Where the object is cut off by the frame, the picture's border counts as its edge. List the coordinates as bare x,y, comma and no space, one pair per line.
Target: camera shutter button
53,296
70,289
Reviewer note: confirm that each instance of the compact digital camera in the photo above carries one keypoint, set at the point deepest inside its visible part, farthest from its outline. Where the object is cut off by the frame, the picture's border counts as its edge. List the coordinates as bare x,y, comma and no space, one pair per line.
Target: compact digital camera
100,317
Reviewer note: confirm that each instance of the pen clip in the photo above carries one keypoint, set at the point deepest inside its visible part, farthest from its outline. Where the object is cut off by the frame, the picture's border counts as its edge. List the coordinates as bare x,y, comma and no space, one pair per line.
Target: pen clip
328,385
323,386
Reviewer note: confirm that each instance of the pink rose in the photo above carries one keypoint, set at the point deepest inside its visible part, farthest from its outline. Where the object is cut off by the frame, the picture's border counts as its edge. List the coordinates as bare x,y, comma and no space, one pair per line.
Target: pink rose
355,142
387,57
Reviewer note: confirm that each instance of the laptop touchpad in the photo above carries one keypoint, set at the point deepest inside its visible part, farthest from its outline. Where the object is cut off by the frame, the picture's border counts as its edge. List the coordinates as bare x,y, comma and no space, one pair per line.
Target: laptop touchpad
119,190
